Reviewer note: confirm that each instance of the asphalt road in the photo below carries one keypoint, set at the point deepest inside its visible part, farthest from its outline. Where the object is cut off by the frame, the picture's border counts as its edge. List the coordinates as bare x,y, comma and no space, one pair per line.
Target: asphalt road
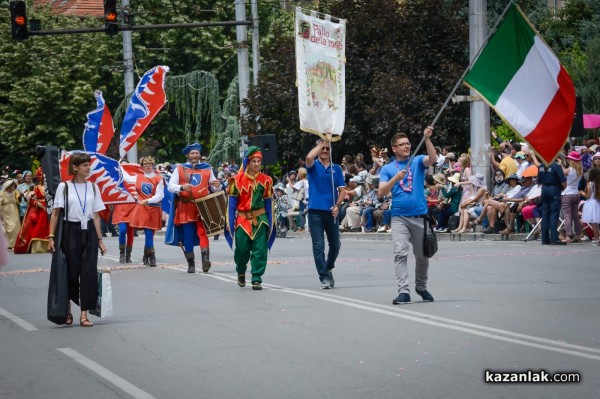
499,306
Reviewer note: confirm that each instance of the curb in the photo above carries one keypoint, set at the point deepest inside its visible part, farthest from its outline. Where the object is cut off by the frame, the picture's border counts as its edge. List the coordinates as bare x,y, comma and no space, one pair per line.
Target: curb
477,236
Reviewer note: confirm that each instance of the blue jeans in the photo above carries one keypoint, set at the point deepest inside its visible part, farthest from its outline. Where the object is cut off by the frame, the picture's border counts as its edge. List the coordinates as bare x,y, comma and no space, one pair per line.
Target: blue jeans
387,217
551,203
368,216
320,223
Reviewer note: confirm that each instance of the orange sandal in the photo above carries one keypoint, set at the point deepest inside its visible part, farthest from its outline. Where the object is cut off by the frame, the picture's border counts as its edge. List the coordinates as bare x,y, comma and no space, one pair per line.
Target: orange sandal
84,322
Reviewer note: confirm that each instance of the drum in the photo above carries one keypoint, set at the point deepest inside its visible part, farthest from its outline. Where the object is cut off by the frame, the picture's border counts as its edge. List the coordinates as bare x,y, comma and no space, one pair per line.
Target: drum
213,209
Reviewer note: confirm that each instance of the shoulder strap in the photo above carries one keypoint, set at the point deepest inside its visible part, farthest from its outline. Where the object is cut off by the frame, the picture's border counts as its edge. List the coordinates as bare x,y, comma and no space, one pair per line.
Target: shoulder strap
66,195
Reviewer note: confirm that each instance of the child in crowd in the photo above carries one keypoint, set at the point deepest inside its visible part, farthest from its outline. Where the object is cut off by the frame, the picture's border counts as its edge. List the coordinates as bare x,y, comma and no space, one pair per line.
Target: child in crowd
591,208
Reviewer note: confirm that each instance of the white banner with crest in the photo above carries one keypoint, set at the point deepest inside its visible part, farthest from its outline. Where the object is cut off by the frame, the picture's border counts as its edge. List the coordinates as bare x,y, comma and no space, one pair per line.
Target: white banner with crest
321,73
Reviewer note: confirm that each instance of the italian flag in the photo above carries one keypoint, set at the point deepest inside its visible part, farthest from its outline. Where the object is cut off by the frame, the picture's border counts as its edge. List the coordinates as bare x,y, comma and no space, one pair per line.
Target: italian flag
519,76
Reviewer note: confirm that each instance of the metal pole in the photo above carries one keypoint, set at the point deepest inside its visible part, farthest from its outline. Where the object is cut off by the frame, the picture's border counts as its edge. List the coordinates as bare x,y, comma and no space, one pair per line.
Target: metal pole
255,49
242,51
132,155
480,111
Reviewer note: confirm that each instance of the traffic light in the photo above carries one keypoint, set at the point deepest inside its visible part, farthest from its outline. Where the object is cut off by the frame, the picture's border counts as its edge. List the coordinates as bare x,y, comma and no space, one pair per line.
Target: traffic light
18,20
110,17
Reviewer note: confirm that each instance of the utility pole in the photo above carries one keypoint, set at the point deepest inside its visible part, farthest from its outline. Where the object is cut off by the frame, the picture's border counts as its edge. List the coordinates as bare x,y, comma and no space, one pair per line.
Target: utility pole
242,52
480,111
132,155
255,52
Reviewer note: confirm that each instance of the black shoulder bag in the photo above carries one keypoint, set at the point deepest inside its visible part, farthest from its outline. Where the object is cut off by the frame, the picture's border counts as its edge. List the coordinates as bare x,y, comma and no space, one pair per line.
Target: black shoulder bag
58,287
430,244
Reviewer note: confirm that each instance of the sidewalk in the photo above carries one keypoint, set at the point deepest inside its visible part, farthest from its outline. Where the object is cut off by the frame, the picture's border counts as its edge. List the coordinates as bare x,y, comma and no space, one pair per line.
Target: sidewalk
477,236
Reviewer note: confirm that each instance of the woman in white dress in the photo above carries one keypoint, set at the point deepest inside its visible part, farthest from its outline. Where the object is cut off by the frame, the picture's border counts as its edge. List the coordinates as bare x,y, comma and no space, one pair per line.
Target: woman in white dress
591,208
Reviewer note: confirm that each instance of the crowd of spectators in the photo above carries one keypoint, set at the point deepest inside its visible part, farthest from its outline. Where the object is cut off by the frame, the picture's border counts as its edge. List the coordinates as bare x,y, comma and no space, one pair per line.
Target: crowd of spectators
458,199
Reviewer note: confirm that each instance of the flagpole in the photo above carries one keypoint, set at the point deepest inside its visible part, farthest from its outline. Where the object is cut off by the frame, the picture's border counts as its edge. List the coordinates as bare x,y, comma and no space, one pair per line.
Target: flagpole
332,183
467,69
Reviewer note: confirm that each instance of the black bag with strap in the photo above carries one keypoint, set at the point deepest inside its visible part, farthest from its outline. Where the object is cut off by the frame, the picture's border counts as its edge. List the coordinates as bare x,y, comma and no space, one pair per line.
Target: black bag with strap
430,244
58,287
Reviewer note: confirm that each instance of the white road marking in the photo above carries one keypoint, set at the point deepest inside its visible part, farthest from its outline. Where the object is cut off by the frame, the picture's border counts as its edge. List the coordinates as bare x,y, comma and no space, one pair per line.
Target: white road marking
106,374
17,320
424,318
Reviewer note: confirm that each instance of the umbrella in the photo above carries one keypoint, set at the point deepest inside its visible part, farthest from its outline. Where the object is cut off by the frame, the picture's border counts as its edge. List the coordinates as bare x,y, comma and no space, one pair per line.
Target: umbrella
591,121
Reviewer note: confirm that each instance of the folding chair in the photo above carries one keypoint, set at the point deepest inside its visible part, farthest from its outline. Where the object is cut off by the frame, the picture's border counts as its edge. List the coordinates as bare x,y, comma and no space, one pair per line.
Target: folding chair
560,226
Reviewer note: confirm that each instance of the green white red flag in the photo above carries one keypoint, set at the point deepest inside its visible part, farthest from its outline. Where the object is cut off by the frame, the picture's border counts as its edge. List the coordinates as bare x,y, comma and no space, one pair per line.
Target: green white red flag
519,76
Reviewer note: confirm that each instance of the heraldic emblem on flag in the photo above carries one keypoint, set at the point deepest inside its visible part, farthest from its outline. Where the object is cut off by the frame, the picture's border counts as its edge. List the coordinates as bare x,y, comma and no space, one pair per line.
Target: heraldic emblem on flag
105,172
146,102
519,76
99,129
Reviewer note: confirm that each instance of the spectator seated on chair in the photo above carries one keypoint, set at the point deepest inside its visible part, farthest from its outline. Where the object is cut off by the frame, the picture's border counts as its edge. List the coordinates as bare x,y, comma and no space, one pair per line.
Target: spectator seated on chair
433,193
383,215
492,206
449,207
531,208
370,202
467,206
354,196
509,209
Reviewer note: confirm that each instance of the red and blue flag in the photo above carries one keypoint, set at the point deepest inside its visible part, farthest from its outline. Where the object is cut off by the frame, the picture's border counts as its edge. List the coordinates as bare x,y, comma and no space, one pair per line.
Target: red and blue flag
99,129
146,102
105,172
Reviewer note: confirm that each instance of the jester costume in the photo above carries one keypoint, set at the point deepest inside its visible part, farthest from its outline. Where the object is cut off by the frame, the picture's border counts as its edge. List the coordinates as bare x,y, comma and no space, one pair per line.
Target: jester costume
184,227
252,227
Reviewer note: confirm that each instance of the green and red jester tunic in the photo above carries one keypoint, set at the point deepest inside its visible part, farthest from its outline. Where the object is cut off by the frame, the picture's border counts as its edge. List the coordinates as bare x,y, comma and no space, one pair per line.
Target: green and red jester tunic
251,193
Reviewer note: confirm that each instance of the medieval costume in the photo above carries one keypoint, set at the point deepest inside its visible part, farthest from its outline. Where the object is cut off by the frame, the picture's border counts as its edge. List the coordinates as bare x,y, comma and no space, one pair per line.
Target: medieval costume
122,217
33,236
250,195
190,181
147,213
9,212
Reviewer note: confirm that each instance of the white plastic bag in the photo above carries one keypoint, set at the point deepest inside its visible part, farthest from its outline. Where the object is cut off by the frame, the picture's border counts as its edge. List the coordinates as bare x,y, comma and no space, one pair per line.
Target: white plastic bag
104,305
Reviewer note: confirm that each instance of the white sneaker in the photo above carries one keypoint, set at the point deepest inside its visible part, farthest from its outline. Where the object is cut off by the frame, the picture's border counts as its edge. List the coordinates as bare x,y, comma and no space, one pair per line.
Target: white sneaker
381,229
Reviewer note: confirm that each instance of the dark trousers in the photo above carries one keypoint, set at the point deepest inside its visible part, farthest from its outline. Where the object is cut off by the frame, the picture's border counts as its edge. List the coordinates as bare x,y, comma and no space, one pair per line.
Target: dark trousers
321,223
81,250
551,203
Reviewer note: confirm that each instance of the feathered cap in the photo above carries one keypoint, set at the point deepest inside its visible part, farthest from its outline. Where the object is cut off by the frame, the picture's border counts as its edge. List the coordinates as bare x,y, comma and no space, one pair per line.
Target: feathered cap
191,147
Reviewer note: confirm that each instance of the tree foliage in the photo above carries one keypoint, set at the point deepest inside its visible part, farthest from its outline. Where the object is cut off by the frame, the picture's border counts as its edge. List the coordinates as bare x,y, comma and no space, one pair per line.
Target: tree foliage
47,86
400,68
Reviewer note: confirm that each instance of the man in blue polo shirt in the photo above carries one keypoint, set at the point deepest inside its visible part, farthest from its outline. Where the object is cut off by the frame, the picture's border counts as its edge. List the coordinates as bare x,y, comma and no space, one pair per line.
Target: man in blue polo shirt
409,205
326,188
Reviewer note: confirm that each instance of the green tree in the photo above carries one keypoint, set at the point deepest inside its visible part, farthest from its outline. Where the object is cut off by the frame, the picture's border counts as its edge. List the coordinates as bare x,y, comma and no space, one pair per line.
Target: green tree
400,68
47,86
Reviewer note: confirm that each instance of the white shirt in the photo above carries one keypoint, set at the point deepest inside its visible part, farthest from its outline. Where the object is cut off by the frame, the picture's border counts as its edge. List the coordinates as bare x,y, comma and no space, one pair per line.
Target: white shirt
175,187
522,166
572,183
160,188
300,184
80,195
513,191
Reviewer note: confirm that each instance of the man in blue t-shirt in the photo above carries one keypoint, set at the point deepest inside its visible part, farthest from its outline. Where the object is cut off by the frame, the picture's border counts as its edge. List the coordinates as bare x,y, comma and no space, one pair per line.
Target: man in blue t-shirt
409,206
326,188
